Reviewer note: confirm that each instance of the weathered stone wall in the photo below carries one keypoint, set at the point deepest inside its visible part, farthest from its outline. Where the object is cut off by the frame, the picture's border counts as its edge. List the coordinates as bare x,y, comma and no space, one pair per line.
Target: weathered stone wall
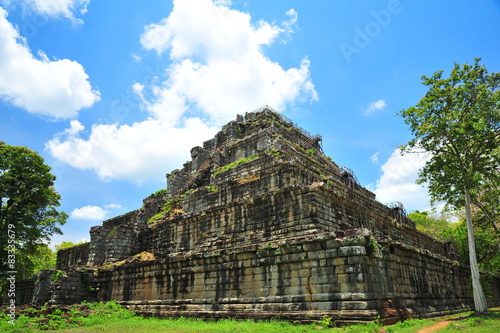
23,292
71,286
73,256
302,278
115,240
271,216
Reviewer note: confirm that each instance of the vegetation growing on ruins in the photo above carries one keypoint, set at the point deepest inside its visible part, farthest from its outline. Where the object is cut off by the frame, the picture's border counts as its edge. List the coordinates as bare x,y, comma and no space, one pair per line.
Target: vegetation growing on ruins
236,163
458,123
274,153
248,179
169,208
143,256
159,192
211,188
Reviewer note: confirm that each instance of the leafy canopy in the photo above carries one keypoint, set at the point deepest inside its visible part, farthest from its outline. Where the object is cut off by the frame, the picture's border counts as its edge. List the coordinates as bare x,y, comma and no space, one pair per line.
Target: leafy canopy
458,121
28,203
67,245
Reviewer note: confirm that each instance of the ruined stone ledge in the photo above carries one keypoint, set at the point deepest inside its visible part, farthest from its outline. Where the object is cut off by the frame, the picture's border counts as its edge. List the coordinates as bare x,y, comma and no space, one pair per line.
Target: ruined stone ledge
262,312
264,250
387,241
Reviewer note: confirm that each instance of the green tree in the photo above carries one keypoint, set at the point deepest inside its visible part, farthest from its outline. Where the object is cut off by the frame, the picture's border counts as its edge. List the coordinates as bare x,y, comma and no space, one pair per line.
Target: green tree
67,245
28,214
458,123
28,264
429,224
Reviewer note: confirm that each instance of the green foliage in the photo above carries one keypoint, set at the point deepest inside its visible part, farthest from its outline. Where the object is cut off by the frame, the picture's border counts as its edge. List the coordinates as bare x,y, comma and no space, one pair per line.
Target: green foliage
430,225
111,317
440,228
475,324
85,315
487,216
268,246
170,208
160,192
113,231
274,152
56,275
212,188
326,321
374,249
29,263
410,325
360,328
486,244
236,163
67,245
28,214
311,152
458,121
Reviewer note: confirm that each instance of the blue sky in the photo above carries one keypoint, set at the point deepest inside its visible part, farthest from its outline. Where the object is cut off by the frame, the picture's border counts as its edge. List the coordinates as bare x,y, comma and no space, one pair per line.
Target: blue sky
114,94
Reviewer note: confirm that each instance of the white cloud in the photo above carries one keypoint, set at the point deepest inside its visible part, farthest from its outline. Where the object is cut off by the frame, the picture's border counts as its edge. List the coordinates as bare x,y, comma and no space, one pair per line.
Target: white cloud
113,206
374,158
136,57
374,106
289,25
57,89
218,63
138,152
58,8
217,69
93,213
398,181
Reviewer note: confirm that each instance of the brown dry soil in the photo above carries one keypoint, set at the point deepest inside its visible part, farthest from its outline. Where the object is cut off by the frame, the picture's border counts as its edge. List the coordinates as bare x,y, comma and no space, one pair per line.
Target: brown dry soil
435,327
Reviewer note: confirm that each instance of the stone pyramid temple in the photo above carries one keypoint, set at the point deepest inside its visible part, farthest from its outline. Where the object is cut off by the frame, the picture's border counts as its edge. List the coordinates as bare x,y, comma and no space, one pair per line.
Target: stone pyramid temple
261,224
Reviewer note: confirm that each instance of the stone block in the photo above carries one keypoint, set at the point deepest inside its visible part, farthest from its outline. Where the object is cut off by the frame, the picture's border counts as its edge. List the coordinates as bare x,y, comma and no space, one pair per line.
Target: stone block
331,253
352,287
309,264
347,251
360,259
316,255
337,261
333,243
353,305
322,306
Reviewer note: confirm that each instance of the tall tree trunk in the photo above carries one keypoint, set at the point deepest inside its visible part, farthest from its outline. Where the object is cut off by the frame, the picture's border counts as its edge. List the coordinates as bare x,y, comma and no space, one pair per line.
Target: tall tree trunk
480,304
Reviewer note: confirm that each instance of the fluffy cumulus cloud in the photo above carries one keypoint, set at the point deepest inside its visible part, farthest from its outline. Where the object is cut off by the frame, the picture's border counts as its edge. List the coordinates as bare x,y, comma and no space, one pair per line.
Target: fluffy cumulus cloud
58,88
91,213
139,152
398,181
217,69
57,8
219,65
374,106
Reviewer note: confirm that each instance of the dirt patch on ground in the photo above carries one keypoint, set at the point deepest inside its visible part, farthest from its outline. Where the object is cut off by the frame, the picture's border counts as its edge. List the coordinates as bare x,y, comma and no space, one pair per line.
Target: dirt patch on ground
435,327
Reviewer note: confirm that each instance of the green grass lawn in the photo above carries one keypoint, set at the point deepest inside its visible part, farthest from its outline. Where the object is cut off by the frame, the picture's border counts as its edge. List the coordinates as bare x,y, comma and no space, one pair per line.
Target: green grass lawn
489,323
110,317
